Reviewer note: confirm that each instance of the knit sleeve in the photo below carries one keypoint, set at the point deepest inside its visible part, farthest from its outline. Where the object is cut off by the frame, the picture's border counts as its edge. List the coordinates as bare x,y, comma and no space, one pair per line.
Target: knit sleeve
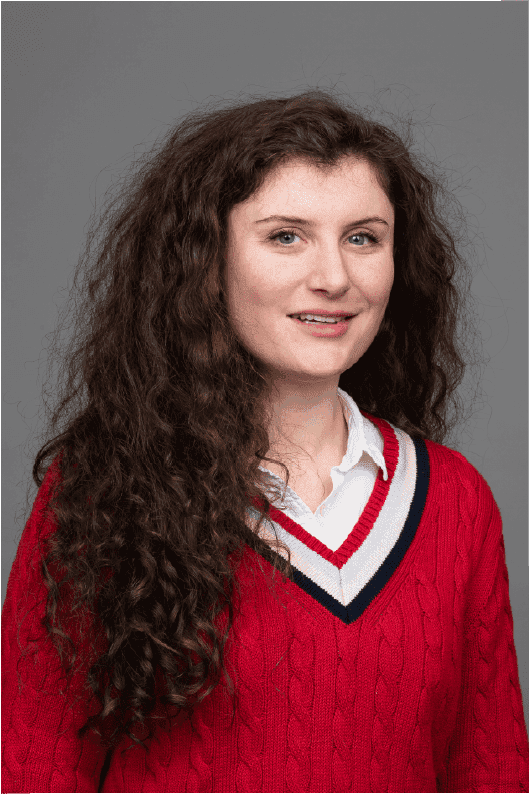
489,750
41,708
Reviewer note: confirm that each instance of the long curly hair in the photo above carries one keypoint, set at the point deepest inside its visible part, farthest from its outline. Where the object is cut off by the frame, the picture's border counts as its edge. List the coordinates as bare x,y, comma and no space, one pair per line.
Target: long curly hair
159,423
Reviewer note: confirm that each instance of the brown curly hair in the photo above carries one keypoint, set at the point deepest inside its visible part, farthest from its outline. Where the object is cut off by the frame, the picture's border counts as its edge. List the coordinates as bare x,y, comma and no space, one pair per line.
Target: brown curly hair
165,429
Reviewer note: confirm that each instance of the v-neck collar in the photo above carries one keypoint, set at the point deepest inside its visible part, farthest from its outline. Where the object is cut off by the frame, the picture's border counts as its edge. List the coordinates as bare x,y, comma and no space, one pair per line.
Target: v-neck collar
347,580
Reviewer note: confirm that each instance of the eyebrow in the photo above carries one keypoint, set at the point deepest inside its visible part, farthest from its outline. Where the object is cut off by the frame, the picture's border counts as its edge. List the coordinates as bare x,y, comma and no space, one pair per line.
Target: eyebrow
302,222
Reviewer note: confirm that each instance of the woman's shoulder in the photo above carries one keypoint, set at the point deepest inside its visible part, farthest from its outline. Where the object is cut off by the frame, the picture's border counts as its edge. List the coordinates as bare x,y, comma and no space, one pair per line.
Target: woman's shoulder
459,484
454,463
446,466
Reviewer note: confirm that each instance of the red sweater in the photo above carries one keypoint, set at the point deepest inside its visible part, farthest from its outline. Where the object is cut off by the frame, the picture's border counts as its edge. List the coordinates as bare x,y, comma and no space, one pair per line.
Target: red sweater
387,665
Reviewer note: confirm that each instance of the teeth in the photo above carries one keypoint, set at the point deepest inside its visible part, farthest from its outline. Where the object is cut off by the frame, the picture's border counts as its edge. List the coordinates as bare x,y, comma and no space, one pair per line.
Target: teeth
317,317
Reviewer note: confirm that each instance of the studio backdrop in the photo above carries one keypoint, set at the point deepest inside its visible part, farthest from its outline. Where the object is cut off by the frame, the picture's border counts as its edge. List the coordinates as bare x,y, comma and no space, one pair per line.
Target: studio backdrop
87,87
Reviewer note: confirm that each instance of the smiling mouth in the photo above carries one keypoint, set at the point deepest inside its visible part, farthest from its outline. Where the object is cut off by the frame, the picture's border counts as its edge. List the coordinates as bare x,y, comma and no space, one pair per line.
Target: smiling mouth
328,321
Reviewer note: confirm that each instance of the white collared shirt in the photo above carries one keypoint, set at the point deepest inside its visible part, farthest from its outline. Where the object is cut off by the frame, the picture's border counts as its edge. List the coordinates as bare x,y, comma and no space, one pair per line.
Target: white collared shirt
353,481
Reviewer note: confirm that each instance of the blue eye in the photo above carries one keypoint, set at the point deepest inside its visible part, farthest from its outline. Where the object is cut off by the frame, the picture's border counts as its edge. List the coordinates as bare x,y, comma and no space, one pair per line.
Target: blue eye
292,233
283,234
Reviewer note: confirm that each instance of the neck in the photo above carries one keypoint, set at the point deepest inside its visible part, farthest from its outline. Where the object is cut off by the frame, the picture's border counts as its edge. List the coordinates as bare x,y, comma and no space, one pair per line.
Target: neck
306,423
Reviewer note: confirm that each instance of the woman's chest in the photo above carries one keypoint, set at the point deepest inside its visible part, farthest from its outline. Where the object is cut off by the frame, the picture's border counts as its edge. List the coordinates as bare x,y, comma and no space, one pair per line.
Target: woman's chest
313,489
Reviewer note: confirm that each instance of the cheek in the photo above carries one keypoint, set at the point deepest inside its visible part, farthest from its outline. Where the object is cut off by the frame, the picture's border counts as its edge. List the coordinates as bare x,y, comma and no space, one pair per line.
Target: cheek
242,289
256,288
380,296
247,297
381,290
254,295
247,303
378,290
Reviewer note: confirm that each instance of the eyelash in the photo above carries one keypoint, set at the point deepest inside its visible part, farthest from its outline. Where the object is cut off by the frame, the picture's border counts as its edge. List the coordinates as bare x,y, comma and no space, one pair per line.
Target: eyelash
374,239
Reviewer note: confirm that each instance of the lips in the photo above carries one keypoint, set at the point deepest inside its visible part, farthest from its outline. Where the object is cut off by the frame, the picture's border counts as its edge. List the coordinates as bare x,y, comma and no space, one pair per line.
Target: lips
325,330
341,316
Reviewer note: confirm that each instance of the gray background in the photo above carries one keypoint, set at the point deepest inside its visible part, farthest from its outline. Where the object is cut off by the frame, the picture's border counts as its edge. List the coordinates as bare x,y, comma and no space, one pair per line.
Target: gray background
83,84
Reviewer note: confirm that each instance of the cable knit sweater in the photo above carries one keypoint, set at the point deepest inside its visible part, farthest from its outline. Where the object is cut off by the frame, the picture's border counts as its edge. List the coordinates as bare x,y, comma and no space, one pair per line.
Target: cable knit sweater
385,665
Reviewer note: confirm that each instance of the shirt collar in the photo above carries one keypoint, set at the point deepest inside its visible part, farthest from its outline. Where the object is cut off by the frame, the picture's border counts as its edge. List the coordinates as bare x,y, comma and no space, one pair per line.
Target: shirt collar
363,437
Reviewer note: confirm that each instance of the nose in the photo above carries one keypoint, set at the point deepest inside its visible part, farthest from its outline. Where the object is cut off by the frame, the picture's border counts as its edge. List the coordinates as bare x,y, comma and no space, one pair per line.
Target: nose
329,272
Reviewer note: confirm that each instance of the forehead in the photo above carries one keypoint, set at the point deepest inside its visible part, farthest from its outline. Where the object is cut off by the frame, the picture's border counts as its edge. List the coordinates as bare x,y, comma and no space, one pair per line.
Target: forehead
304,186
351,168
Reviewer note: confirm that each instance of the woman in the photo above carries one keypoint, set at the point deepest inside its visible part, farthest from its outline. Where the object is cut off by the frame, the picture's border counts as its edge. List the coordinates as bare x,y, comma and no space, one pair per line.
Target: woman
226,436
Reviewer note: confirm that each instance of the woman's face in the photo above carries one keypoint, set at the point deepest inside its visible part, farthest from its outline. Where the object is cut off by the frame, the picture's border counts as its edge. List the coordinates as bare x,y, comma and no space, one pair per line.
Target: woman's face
324,260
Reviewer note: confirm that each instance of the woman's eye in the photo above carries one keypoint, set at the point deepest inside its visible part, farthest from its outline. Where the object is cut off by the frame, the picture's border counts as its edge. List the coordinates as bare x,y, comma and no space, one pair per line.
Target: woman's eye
367,237
291,234
283,234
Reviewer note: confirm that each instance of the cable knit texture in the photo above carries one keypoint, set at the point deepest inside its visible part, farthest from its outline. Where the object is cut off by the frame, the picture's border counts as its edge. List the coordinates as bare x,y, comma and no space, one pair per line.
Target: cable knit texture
389,667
